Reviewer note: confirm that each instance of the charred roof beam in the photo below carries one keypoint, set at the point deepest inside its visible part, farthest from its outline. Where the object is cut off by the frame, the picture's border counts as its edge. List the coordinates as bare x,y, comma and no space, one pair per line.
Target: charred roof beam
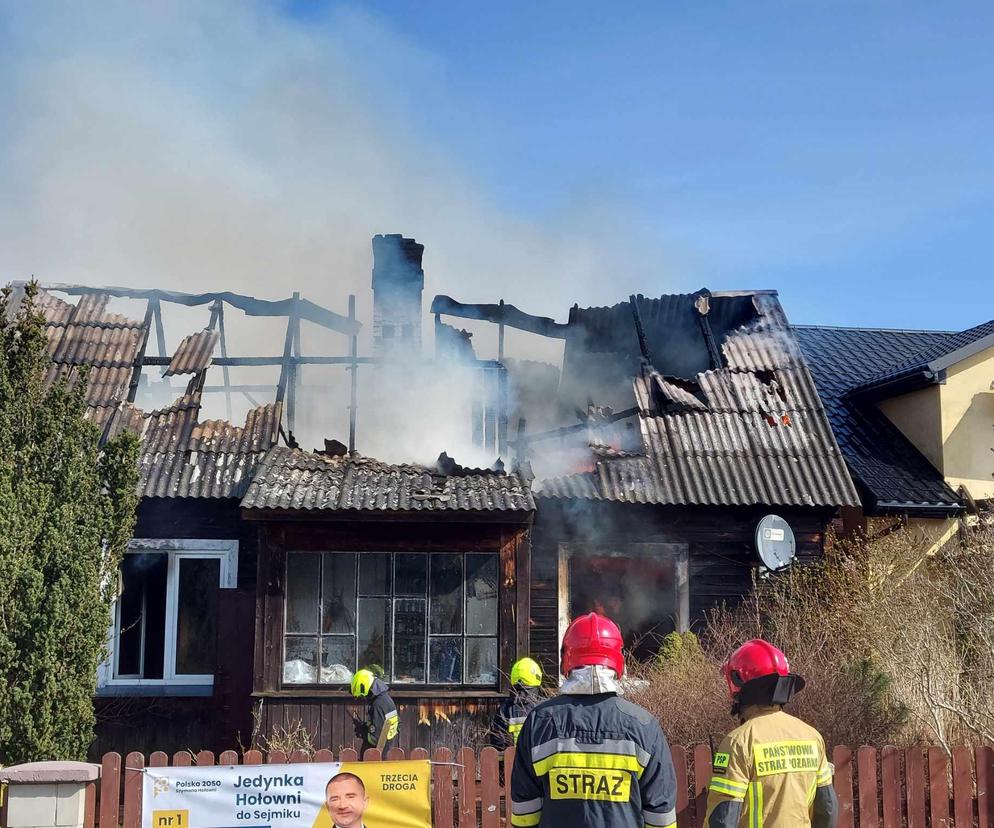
500,314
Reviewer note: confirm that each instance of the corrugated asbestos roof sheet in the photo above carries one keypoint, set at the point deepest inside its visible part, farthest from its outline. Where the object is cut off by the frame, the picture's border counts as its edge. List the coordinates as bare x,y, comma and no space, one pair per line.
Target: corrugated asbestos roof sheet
194,353
180,456
756,433
297,480
880,457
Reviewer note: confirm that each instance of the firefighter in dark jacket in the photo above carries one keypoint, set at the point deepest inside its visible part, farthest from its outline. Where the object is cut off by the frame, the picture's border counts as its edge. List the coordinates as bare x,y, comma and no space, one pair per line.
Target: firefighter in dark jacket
381,726
772,770
589,757
526,678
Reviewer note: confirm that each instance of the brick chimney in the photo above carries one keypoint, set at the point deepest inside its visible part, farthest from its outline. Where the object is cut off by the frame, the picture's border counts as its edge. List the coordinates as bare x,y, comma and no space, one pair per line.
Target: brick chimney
398,281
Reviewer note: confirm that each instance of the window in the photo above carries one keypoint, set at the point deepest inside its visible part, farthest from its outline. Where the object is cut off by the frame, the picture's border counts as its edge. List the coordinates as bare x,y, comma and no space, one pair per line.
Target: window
420,618
165,616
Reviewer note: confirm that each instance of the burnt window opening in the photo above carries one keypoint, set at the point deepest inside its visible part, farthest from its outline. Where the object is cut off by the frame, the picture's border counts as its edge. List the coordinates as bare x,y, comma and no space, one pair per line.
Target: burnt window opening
414,618
165,616
643,587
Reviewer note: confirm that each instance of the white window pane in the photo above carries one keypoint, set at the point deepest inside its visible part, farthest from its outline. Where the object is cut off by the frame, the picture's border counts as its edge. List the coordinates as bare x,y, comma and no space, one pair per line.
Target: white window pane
446,585
302,584
196,615
338,595
374,635
142,615
301,663
337,659
481,661
445,660
410,622
481,595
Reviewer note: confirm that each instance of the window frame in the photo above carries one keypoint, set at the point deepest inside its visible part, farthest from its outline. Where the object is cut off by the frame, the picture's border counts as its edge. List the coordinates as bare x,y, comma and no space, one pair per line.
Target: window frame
393,597
225,552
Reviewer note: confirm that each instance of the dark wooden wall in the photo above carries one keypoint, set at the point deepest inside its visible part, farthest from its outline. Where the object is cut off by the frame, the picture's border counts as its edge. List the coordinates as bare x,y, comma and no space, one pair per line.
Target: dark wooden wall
720,542
429,721
223,719
200,518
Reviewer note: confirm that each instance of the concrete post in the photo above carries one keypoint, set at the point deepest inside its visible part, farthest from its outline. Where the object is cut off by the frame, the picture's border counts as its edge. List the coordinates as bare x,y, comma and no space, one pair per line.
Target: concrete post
48,794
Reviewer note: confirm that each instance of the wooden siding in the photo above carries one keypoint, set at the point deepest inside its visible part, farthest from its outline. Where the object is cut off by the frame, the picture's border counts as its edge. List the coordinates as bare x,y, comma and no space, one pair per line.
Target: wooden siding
720,543
431,721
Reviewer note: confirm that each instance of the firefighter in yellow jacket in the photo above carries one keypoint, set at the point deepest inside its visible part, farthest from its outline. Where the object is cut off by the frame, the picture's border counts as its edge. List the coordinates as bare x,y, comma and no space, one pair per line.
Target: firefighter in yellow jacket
772,770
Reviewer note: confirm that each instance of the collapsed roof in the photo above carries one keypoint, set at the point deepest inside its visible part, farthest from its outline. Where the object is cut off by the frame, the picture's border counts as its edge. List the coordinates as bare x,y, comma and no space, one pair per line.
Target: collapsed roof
727,410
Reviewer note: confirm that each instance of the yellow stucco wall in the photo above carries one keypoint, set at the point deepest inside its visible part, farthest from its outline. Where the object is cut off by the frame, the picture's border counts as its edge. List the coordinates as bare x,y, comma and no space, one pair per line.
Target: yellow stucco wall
968,424
953,424
919,417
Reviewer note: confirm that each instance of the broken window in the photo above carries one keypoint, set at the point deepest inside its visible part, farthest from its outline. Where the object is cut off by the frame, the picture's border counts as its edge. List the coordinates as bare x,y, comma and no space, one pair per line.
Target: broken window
414,617
165,615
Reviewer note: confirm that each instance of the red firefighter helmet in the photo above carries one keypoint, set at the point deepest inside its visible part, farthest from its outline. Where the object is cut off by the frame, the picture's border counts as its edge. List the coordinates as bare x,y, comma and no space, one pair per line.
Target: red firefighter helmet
593,639
754,659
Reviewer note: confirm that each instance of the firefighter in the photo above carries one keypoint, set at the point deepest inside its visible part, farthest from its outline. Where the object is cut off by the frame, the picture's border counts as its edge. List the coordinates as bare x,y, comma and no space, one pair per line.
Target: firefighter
526,678
771,771
589,757
380,728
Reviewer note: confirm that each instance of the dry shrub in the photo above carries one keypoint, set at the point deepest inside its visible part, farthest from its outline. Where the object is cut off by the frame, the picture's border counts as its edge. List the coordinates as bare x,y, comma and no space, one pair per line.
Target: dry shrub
894,639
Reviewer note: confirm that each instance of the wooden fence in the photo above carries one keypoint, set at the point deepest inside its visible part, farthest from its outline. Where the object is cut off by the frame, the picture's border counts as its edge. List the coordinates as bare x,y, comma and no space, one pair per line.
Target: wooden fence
889,788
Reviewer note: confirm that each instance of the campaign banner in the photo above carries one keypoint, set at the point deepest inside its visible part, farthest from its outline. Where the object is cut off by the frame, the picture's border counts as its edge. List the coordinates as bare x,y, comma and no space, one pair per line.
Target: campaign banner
318,795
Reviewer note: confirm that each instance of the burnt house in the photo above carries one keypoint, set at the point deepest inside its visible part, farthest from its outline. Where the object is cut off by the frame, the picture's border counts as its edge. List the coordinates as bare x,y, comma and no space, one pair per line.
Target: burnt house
698,417
262,575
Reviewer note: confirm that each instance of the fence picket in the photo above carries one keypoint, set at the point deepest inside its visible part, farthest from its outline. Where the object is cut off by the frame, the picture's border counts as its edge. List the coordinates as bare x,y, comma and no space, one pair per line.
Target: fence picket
420,754
866,782
890,784
205,758
158,760
985,787
489,788
252,757
442,789
110,790
276,757
914,781
395,754
89,804
134,763
842,759
702,778
228,757
466,778
938,787
372,755
349,755
962,786
684,818
183,759
508,766
299,757
324,755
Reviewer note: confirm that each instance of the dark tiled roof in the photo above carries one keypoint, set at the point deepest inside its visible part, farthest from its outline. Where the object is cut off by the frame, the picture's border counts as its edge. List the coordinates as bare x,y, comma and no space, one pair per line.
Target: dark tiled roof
298,480
879,456
755,433
939,345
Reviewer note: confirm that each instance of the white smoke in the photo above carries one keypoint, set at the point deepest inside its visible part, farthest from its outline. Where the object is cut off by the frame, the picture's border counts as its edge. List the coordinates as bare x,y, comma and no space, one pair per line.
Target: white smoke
225,146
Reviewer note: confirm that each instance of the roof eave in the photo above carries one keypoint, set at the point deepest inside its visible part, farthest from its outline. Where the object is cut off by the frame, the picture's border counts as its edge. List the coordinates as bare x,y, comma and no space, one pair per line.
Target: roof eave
513,517
922,510
903,383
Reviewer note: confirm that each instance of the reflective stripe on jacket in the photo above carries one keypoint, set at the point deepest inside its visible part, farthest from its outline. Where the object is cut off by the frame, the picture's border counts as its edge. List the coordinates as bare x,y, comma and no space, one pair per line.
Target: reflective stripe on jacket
773,763
510,718
592,760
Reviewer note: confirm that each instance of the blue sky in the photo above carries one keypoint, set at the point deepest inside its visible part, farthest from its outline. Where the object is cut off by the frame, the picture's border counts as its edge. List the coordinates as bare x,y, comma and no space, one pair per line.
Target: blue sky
839,152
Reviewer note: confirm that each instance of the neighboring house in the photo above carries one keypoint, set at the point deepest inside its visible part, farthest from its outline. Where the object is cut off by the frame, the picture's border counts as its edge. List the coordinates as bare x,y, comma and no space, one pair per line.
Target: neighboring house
913,412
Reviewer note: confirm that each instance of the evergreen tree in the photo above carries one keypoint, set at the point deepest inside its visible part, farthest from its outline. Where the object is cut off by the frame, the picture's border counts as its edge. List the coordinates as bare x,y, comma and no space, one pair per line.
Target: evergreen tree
67,508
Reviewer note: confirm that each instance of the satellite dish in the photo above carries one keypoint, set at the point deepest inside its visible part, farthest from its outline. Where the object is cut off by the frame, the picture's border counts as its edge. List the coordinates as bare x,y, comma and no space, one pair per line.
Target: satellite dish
775,543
